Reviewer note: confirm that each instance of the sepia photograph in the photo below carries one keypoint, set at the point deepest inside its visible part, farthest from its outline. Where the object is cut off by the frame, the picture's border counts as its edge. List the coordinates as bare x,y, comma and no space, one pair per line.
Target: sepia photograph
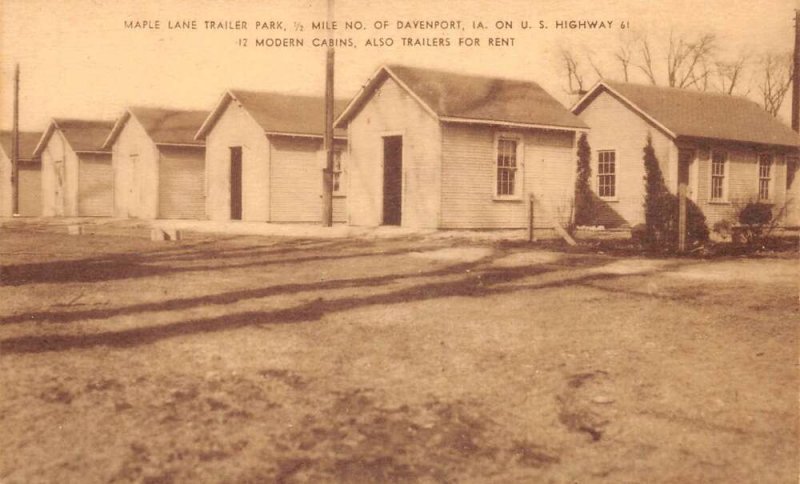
405,241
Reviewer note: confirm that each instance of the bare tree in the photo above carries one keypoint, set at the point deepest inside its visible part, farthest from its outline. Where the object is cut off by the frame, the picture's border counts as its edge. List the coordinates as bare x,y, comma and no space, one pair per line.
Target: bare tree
730,74
646,63
776,74
624,57
576,79
688,61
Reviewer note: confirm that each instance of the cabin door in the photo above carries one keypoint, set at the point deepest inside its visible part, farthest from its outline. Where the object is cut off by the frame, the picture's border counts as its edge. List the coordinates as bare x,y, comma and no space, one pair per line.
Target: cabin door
133,186
236,183
392,180
59,195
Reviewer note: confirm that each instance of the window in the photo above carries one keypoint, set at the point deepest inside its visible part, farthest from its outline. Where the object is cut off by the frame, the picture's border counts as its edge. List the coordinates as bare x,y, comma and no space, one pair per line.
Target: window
338,186
606,174
718,162
506,167
764,168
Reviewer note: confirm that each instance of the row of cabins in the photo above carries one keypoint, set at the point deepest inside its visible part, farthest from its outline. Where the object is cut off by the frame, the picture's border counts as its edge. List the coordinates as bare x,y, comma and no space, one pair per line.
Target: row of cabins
416,148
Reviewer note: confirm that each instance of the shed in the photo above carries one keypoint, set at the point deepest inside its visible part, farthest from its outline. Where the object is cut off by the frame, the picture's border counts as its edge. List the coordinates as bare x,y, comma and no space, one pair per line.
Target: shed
436,149
727,150
159,168
265,156
77,178
30,175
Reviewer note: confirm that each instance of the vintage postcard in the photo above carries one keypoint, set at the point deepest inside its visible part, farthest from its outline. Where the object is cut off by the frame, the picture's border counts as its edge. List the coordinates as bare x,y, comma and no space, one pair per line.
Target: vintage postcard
399,241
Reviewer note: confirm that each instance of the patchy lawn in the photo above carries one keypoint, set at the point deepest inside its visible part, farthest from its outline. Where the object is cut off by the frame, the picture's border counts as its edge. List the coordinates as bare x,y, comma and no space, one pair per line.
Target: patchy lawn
246,359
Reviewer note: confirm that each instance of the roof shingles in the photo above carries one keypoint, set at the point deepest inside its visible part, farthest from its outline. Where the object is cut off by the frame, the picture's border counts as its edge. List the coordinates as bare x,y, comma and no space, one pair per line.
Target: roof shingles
85,135
27,143
288,114
705,115
170,126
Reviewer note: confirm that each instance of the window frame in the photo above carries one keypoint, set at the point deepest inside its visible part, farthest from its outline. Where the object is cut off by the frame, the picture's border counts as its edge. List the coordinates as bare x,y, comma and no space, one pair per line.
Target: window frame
519,178
725,176
612,197
770,178
338,154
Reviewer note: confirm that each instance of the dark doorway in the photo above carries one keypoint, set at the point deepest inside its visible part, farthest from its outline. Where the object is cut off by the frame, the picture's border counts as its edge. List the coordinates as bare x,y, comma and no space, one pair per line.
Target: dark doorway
392,180
236,183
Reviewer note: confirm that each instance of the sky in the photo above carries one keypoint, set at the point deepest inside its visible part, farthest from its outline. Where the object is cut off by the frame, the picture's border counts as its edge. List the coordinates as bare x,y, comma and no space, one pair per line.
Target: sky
77,59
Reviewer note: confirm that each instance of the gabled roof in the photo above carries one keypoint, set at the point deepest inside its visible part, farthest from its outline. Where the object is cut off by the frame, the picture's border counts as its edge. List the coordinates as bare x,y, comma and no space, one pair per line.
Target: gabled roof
693,114
277,114
163,126
27,143
83,135
453,97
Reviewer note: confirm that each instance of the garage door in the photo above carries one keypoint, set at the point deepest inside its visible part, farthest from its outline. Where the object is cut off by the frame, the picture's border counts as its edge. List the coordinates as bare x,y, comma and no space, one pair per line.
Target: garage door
30,191
181,192
95,186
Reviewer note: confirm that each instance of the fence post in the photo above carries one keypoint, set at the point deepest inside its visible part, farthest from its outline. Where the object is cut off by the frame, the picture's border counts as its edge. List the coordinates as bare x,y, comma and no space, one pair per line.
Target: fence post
531,236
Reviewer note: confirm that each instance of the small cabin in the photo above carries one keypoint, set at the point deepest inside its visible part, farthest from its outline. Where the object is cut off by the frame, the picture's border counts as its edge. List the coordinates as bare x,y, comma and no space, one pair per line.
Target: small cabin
30,175
434,149
265,158
726,149
77,177
159,168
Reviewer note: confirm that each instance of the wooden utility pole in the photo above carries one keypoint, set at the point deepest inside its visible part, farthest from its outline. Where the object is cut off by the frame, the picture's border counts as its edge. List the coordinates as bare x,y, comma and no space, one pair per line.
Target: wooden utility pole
15,148
327,173
796,74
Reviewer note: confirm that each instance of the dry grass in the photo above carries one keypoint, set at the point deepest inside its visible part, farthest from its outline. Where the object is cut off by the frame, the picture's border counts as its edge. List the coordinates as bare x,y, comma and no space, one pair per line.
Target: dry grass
250,359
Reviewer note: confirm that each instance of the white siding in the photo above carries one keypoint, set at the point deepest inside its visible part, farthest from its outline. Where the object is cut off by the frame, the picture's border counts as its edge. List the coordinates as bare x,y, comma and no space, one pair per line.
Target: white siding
181,192
95,187
546,170
392,111
237,128
135,187
296,181
59,178
30,190
5,185
741,180
615,127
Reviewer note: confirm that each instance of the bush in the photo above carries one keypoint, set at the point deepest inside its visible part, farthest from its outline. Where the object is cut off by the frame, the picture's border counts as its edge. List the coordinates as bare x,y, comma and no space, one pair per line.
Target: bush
584,204
757,221
661,210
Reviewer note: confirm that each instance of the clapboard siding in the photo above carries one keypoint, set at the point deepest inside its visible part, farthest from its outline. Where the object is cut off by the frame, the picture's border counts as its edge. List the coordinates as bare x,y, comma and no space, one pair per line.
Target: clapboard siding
59,178
30,190
468,177
95,187
181,178
6,207
237,128
615,127
392,111
296,179
741,180
135,161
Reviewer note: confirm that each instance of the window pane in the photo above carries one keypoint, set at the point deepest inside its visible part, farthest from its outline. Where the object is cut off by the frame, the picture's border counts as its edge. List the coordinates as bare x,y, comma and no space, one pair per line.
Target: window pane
506,166
606,173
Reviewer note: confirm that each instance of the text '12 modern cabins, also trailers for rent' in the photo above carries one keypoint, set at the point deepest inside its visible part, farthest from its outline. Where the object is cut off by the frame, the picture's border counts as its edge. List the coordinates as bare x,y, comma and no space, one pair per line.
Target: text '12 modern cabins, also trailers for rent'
726,149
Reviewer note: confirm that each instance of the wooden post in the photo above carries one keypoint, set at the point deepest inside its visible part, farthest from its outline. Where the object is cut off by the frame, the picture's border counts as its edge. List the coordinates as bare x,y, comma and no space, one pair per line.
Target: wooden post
327,174
682,216
531,236
15,148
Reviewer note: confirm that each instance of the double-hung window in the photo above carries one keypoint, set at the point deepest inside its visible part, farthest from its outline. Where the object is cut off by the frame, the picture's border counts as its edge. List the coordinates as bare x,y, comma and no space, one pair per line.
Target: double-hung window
507,166
607,174
719,161
764,175
338,185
